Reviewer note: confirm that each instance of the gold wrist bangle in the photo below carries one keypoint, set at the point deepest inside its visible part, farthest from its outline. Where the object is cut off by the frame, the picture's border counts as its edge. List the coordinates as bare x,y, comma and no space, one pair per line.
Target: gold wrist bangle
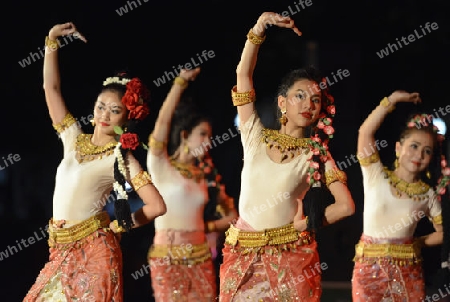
181,81
254,39
51,44
242,98
387,104
211,227
118,228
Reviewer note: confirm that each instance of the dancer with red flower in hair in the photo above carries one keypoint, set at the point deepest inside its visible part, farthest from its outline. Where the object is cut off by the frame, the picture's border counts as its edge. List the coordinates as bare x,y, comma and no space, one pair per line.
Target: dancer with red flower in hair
85,258
181,258
287,182
388,259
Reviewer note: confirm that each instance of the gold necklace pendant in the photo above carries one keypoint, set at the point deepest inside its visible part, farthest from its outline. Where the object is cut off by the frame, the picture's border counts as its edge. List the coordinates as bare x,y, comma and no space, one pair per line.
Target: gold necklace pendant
416,190
287,145
187,171
87,151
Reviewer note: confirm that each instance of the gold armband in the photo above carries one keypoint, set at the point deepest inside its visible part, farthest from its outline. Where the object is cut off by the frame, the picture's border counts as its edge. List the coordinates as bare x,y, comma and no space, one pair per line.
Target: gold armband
254,39
51,44
154,144
67,121
242,98
210,227
437,219
366,161
181,81
335,174
141,179
387,104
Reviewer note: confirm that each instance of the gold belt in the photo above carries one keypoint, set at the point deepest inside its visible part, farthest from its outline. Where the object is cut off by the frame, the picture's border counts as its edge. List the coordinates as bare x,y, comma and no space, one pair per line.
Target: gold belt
397,252
181,254
78,231
276,236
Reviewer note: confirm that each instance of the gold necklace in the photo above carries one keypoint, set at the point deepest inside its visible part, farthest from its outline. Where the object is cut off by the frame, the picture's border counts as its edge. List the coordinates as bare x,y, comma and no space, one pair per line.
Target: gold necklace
288,145
87,151
187,171
415,190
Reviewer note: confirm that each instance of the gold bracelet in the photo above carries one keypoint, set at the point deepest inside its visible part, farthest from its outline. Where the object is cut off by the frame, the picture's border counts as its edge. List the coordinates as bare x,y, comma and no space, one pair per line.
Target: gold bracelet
335,174
211,226
51,44
242,98
387,104
181,81
154,144
117,227
254,39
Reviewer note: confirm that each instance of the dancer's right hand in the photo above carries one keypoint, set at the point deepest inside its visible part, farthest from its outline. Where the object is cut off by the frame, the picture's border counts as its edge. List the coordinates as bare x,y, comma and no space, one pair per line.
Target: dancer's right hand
64,30
403,96
189,74
267,18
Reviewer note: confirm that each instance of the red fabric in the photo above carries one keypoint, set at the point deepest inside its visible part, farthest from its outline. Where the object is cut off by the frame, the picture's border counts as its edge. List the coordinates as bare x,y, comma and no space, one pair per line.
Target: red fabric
383,280
91,269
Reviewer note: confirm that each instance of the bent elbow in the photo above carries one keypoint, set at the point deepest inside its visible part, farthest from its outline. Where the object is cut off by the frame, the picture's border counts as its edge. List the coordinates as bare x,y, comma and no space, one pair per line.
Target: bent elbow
349,208
162,209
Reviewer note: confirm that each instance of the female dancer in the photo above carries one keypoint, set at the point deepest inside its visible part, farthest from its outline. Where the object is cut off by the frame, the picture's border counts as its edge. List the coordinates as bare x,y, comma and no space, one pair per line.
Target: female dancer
85,257
268,253
387,261
180,258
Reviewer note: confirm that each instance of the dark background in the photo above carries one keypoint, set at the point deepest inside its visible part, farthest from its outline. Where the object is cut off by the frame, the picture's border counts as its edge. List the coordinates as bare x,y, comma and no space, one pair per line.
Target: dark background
157,35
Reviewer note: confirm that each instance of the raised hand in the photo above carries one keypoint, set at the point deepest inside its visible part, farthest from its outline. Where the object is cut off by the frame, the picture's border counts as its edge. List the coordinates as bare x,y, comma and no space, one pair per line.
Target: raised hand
272,18
406,97
189,74
64,30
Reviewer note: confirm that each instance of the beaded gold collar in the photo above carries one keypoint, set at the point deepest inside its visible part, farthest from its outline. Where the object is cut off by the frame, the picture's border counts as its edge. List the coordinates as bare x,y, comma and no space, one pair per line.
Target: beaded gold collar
187,171
288,145
415,191
87,151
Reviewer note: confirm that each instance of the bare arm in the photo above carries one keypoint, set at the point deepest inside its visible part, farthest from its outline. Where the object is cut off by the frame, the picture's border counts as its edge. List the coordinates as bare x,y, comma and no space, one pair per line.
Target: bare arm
366,135
433,239
246,66
154,205
162,125
52,84
229,212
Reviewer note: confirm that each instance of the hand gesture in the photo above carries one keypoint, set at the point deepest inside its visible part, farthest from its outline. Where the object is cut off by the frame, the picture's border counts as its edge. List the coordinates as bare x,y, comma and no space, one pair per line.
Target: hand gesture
189,74
274,19
403,96
64,30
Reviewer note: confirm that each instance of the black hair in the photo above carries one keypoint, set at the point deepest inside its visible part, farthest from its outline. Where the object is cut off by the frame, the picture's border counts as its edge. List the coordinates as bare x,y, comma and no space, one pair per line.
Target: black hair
318,196
122,210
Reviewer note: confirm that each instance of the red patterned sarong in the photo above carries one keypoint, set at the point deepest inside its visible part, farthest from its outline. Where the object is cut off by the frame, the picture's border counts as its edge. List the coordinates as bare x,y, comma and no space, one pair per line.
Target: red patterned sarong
181,267
387,270
278,264
88,269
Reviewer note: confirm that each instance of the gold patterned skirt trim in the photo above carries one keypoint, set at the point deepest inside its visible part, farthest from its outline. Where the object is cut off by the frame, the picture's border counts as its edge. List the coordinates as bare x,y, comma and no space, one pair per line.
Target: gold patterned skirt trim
185,254
402,254
78,231
285,237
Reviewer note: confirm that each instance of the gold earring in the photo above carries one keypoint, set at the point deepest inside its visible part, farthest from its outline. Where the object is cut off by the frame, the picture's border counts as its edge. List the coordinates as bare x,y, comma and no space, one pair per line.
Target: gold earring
428,174
283,118
186,149
92,122
396,161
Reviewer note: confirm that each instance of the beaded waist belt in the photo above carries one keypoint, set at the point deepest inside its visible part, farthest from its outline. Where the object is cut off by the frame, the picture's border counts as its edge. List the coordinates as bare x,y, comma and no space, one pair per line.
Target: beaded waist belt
181,254
398,253
78,231
276,236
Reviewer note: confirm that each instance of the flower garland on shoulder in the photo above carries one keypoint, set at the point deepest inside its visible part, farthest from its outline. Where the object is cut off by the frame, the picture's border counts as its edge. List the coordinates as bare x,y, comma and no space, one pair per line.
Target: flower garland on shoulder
134,99
319,145
426,120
